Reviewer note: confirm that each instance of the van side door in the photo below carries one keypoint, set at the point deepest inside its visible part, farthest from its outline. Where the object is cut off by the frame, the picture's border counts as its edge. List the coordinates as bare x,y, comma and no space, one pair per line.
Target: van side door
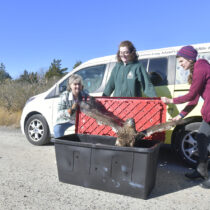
162,72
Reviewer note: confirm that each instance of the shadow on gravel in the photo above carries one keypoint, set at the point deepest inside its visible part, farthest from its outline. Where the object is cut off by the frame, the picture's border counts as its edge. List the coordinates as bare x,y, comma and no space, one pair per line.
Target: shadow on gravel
170,174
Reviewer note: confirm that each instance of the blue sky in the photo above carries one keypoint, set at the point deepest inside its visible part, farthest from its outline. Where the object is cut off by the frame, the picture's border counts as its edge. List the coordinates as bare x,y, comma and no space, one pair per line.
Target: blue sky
34,32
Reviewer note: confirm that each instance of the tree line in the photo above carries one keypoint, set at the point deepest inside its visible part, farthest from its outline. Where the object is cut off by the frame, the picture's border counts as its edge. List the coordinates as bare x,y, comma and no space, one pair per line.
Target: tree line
55,71
15,92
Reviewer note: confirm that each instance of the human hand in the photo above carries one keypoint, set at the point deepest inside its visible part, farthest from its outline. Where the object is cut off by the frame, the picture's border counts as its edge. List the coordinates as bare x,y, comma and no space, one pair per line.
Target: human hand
178,117
74,106
166,100
69,111
72,109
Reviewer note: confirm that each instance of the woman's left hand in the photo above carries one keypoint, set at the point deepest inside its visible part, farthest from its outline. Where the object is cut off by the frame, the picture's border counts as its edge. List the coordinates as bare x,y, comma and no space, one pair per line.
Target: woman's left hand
74,106
178,117
72,109
166,100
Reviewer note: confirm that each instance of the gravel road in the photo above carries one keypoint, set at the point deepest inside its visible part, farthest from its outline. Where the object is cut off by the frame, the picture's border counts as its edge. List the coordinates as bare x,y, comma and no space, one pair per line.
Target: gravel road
29,180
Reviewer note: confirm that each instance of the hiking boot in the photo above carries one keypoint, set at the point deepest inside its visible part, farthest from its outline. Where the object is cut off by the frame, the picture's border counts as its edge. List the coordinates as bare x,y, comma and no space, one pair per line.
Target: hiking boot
206,184
202,168
194,175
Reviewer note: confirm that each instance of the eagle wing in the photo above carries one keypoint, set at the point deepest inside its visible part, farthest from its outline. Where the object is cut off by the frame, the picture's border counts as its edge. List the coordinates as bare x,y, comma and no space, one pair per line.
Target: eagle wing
95,110
161,127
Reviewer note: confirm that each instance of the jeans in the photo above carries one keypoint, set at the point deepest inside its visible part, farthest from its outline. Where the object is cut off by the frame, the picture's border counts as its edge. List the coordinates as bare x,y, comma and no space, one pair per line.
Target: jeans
60,129
203,139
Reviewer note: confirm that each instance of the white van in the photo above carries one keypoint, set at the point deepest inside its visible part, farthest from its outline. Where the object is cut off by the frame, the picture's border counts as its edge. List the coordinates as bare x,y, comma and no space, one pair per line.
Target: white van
39,114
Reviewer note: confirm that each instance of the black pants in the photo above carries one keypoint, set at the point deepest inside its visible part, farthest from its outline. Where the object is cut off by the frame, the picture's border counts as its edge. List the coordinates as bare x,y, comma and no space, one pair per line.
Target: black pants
203,140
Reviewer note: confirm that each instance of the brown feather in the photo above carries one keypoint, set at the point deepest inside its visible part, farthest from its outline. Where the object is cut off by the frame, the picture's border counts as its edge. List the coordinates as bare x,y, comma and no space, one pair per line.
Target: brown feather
126,133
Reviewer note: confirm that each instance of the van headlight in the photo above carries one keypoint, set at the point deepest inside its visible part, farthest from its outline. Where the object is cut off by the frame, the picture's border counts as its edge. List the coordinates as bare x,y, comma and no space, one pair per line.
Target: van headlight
30,99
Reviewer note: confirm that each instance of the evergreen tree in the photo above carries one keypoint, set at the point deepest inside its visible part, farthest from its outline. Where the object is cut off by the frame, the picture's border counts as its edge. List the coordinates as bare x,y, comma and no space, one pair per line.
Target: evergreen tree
3,74
29,77
55,70
77,64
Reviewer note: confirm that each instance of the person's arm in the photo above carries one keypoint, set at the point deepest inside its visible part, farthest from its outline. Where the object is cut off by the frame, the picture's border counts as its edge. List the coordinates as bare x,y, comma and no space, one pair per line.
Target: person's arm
194,92
187,109
63,106
145,81
110,86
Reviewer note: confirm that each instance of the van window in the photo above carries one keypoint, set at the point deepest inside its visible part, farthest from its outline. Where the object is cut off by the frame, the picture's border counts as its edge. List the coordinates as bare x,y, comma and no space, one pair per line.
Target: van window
157,70
204,56
181,74
92,78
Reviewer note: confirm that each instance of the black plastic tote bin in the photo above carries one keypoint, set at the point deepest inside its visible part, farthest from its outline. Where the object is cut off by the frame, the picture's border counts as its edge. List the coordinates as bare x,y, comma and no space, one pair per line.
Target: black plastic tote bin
94,162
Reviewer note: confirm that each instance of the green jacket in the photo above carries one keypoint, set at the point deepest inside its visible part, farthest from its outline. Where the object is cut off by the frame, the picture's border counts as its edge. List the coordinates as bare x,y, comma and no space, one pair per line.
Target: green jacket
129,80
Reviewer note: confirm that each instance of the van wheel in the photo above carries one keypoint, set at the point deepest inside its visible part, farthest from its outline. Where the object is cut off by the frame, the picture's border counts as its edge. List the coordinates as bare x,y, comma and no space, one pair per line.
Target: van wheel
37,130
185,144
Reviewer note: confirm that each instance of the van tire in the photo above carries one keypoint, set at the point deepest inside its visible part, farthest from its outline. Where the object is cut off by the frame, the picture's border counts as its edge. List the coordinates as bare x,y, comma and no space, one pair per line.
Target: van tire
37,130
185,145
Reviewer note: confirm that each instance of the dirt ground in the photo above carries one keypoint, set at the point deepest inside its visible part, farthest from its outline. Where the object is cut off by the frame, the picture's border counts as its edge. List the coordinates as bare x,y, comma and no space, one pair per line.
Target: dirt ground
29,180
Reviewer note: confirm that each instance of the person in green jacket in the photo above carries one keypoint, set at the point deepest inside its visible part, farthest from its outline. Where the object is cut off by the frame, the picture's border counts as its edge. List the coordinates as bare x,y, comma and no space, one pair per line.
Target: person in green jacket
128,77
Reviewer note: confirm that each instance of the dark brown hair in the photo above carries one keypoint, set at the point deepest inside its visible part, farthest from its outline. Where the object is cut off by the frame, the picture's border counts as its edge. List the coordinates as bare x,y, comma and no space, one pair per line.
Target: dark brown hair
191,72
132,56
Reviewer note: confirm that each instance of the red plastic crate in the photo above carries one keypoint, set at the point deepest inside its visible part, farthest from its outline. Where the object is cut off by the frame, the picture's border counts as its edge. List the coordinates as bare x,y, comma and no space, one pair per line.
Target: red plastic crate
145,111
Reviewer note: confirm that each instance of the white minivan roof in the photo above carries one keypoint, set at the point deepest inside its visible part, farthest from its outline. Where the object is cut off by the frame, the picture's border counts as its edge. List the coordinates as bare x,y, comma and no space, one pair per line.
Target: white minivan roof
161,52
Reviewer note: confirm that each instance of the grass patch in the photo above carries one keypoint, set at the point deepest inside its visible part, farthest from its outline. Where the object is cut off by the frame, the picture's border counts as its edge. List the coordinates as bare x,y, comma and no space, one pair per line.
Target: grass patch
13,96
8,118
